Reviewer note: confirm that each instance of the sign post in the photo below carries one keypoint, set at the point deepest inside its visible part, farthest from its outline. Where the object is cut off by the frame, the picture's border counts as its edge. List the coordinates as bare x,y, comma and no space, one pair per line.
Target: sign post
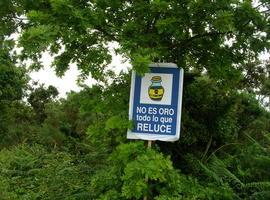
155,103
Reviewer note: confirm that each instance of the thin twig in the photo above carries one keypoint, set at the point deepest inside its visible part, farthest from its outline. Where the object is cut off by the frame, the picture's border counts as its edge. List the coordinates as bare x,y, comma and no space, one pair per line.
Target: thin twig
207,147
221,147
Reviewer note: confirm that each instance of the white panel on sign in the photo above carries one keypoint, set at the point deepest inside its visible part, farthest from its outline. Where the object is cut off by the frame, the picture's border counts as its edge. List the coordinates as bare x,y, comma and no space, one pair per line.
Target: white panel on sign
165,82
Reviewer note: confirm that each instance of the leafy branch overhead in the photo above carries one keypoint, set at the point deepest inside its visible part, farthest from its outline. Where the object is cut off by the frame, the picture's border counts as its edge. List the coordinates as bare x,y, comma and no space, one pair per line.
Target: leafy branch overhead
201,35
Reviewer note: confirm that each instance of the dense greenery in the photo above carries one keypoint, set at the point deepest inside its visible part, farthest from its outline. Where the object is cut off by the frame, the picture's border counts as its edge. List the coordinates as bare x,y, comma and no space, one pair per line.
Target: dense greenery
76,148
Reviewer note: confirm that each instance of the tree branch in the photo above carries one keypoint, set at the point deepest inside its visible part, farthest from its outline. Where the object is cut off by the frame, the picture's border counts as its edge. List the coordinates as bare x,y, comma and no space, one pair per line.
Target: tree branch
221,147
106,33
208,34
207,147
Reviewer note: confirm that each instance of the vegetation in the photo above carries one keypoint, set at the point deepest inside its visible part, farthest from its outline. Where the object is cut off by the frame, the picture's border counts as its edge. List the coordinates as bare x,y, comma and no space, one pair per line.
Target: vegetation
76,148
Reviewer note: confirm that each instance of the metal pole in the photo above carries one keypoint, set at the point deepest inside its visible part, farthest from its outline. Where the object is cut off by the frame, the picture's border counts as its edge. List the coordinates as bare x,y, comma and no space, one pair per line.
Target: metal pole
149,145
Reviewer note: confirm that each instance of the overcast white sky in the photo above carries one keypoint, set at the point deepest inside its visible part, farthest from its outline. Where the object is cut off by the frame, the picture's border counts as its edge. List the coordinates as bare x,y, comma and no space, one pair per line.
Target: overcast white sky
68,81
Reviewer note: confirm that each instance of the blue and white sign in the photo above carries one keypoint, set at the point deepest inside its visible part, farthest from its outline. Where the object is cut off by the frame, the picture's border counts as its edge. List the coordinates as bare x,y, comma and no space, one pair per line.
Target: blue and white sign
155,103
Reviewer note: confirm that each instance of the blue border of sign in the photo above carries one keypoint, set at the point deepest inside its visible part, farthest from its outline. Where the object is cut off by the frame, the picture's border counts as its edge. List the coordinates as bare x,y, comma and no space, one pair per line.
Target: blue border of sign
176,104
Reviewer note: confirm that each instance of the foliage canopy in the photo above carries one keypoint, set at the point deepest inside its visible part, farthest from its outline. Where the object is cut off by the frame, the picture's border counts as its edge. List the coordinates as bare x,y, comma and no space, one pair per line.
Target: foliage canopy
75,148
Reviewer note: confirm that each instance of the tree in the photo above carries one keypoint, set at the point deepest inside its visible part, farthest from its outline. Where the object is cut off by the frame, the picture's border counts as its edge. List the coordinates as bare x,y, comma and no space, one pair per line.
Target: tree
216,37
224,127
13,84
39,97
